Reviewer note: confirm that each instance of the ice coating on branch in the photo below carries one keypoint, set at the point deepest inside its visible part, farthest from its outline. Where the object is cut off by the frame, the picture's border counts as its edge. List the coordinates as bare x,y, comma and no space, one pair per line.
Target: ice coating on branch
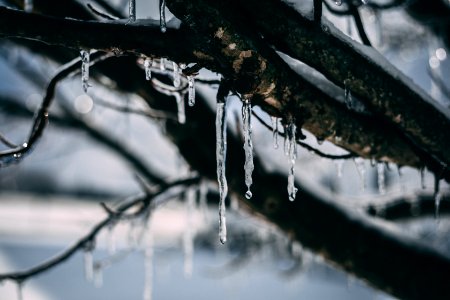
437,196
132,10
85,58
380,176
292,151
28,5
180,106
275,131
221,151
361,168
248,145
176,75
191,90
162,15
148,68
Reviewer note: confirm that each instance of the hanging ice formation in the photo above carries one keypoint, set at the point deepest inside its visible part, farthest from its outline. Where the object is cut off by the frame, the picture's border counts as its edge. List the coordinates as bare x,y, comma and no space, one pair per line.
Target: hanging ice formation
221,151
88,264
28,5
275,131
132,10
191,90
248,145
20,290
380,176
361,167
85,58
180,107
292,151
162,15
148,68
176,75
437,196
98,277
286,141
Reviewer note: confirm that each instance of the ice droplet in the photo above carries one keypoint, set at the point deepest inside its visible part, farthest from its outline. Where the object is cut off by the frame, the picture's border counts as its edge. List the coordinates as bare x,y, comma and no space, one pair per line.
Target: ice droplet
28,5
361,168
248,145
191,90
338,2
291,131
275,131
132,10
221,150
85,58
180,106
162,15
148,68
381,178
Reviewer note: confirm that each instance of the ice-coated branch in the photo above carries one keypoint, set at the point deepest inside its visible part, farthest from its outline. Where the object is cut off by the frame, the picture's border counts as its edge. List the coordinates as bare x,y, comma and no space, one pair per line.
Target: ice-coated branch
81,244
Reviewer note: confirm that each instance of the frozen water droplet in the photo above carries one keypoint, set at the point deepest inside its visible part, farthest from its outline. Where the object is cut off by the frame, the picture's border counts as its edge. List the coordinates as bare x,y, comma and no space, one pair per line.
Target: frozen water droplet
381,178
132,10
248,145
248,194
338,2
25,145
191,90
162,15
361,168
180,106
221,150
148,68
291,131
85,60
28,5
437,196
275,131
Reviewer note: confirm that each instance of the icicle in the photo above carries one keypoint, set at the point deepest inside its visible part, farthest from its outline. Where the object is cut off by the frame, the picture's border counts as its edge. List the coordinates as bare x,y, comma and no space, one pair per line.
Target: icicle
191,89
176,75
19,290
400,179
437,196
275,131
180,107
85,57
162,64
380,176
248,145
148,279
132,10
361,167
292,190
111,240
339,166
188,237
88,264
348,96
422,178
162,15
28,5
98,277
221,150
148,68
286,141
338,2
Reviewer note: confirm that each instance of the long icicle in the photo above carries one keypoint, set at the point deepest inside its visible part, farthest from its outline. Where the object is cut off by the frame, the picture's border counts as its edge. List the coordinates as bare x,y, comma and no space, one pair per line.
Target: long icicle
248,145
381,178
221,151
191,90
85,60
275,131
162,15
180,105
292,150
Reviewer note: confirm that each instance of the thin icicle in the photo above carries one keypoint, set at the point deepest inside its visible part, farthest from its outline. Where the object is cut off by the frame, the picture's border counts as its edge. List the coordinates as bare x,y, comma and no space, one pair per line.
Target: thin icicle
361,167
422,178
191,90
20,290
221,150
286,141
85,58
437,196
98,277
380,176
148,279
111,240
176,75
248,145
400,179
132,10
148,68
275,131
292,190
162,15
88,264
180,106
28,5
